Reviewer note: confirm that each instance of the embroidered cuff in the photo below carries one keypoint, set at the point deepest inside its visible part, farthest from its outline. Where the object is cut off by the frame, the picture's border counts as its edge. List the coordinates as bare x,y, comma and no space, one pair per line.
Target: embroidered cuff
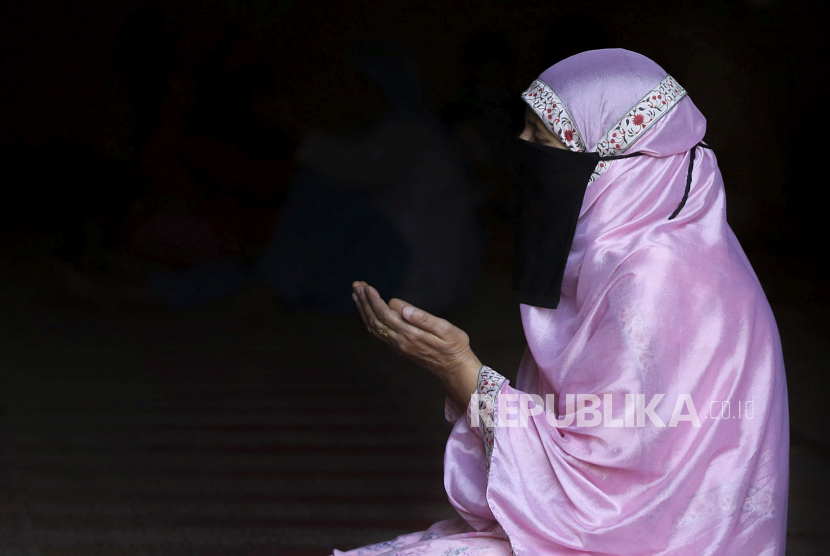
489,384
453,414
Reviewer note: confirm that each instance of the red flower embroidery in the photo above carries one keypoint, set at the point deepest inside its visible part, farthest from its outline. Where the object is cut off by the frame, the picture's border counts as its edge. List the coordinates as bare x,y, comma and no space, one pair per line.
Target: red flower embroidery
654,105
544,101
569,135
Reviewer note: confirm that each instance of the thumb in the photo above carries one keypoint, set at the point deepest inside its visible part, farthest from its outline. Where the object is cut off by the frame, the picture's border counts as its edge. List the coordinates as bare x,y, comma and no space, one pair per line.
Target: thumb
407,310
421,319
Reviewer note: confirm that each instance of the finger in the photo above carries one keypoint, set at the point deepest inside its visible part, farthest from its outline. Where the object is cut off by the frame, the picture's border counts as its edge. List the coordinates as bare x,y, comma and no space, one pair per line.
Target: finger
359,288
370,318
423,320
397,305
391,317
355,292
360,308
375,324
377,308
392,337
402,337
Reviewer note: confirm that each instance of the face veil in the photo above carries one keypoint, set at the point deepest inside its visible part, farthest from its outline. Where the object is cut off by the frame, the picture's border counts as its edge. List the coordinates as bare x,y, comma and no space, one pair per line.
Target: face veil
554,186
550,187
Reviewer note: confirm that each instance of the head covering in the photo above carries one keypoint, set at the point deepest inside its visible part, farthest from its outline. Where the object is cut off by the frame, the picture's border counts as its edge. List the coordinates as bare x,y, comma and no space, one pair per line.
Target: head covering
649,305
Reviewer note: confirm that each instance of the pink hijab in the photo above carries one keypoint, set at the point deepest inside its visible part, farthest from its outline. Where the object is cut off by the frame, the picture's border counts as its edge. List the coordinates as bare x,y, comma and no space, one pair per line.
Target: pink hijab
650,305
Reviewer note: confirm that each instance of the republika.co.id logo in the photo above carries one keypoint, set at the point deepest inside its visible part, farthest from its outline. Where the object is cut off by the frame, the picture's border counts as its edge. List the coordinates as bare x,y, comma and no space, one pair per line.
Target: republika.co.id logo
589,410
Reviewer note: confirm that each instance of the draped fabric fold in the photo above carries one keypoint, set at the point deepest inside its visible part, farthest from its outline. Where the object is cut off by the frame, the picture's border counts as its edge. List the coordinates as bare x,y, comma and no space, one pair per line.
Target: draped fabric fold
664,323
648,306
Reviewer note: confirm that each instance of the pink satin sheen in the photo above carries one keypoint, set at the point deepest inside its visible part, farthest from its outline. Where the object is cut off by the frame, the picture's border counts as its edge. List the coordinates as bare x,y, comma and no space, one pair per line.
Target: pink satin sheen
649,305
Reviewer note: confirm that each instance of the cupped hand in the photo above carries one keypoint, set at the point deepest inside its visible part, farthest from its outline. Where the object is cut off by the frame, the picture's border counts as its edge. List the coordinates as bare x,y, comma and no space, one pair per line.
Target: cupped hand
432,342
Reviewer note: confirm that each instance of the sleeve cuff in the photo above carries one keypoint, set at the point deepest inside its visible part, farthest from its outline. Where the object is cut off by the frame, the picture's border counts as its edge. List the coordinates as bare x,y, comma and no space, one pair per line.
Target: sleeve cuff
489,384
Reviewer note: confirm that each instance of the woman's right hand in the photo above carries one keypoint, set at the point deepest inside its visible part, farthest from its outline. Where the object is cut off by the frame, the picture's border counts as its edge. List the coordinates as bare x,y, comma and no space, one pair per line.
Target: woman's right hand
431,342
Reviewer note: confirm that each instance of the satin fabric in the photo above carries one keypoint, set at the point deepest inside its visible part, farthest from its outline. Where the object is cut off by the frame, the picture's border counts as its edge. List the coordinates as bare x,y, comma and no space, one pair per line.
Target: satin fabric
648,305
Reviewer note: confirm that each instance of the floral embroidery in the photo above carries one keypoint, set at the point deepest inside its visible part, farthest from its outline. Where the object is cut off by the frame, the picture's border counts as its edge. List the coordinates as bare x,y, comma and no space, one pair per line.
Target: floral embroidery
758,503
725,499
633,327
549,107
463,550
489,384
381,546
637,121
640,118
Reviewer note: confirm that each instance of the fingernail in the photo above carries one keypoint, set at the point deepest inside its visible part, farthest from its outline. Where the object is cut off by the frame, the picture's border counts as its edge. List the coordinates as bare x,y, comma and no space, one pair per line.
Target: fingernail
408,311
354,297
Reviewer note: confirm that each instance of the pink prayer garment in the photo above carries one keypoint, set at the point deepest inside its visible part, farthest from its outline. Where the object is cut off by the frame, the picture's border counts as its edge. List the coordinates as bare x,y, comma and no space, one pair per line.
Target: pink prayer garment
649,305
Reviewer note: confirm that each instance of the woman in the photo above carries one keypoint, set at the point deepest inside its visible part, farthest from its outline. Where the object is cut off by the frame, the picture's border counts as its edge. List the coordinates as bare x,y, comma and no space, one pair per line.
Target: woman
656,297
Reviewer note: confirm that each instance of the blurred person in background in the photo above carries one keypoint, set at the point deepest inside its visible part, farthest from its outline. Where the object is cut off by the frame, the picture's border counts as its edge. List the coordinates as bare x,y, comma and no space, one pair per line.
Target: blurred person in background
383,197
211,169
215,170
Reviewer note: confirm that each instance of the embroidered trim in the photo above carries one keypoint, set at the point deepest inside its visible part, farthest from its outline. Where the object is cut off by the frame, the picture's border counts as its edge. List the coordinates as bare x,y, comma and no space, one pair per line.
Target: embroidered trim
550,108
637,121
599,170
640,118
489,384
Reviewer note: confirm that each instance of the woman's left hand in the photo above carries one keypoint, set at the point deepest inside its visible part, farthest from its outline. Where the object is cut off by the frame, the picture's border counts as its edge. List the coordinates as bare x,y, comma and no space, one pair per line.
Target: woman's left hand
430,341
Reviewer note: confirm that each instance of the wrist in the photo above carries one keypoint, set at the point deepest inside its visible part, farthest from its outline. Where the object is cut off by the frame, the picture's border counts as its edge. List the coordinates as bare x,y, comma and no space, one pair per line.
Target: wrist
462,382
470,365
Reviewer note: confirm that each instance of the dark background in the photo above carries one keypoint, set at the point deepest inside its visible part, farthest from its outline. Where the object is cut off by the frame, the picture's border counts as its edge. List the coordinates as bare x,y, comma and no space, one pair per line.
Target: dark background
153,431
